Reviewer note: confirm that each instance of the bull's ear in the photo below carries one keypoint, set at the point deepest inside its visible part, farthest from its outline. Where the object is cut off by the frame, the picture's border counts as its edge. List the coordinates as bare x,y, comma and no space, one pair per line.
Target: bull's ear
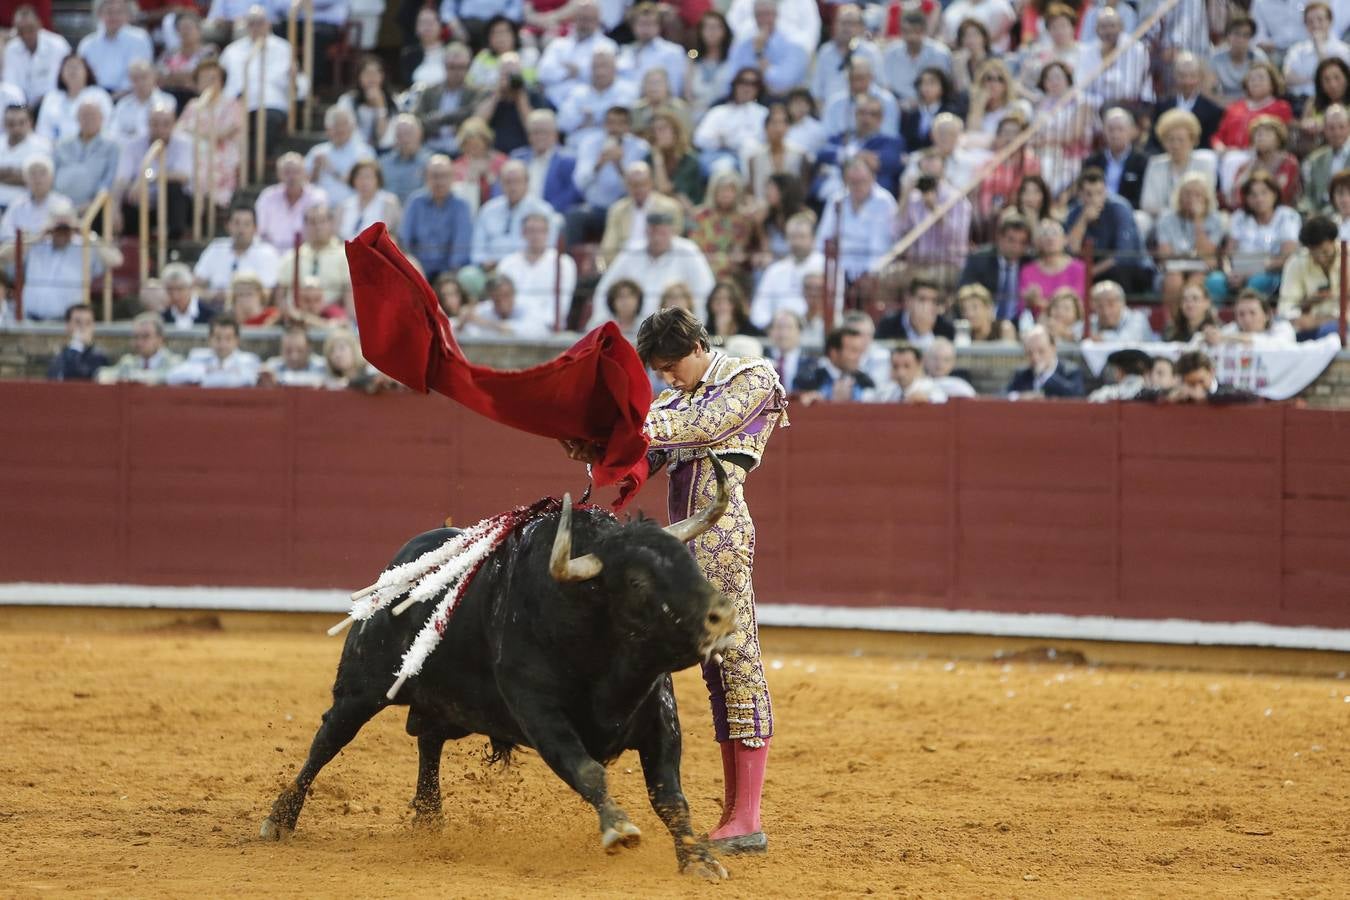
640,581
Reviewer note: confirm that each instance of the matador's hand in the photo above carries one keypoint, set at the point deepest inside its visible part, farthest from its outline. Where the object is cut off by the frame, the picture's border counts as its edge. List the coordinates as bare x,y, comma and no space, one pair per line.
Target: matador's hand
582,451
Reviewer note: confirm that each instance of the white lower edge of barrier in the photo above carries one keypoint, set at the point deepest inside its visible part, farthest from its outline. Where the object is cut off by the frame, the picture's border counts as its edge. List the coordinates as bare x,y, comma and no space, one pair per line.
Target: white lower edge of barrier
907,619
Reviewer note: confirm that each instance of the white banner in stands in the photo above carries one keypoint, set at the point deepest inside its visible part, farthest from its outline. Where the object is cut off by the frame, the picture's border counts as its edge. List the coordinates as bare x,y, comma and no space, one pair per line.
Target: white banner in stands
1276,373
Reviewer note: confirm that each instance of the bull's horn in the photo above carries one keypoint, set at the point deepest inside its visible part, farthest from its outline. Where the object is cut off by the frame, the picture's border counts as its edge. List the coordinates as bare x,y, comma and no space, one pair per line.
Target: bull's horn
561,565
688,529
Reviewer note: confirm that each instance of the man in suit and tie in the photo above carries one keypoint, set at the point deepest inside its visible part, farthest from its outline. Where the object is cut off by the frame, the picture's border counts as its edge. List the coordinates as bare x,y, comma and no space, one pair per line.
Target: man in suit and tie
1324,162
838,377
550,166
1045,373
1189,76
626,220
1122,164
785,347
998,267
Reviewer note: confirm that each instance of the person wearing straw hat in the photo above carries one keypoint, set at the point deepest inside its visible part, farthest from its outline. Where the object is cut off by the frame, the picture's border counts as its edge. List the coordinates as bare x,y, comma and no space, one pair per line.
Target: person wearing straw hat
54,267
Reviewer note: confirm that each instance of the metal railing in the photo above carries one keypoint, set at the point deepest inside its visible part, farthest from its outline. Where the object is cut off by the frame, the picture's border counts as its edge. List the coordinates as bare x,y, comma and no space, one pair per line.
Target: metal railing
259,51
204,182
152,168
100,206
301,63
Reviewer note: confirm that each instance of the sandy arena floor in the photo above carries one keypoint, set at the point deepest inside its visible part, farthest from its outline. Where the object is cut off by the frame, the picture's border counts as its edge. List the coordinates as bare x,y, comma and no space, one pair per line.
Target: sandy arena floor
138,760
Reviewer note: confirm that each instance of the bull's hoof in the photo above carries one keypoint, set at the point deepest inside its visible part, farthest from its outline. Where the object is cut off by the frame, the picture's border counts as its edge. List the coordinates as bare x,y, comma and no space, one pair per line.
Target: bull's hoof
428,820
271,831
702,864
742,845
619,835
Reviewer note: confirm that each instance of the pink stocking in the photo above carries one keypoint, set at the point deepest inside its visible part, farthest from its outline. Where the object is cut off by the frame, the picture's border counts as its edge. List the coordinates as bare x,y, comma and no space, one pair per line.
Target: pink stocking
749,783
728,781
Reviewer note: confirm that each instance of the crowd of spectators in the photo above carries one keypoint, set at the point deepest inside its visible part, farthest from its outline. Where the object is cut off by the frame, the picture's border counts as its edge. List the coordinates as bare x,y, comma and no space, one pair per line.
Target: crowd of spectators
557,166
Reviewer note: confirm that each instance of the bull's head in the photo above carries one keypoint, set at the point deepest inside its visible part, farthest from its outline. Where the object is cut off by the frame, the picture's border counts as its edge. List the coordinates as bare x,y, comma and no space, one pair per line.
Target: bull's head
564,568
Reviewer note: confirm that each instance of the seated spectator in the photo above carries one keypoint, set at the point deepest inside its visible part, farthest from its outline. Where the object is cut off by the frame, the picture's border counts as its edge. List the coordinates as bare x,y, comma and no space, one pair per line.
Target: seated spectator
998,189
940,252
582,112
626,220
723,228
1063,318
224,19
1179,132
1128,79
313,309
1323,163
994,97
474,174
177,67
623,301
784,198
1063,140
1189,233
1253,323
1032,200
654,95
501,316
503,39
1310,283
1332,82
781,285
839,114
883,152
437,226
996,16
58,118
860,218
423,63
676,171
53,266
1052,269
848,40
837,377
675,295
131,114
32,211
813,290
779,155
322,256
443,107
79,359
247,302
403,166
908,383
153,297
939,364
1262,235
551,168
780,60
1261,96
1108,222
169,172
1045,374
371,105
1189,75
244,70
344,366
220,364
1122,165
369,202
732,130
1302,58
507,109
1124,376
1269,137
184,308
919,321
784,347
902,60
1112,320
212,121
1194,316
976,306
797,20
1231,62
498,229
297,365
729,312
33,56
959,165
241,251
149,360
1162,374
1195,383
970,50
114,46
666,259
805,131
876,359
330,163
566,61
935,96
87,162
1058,42
997,268
708,71
281,207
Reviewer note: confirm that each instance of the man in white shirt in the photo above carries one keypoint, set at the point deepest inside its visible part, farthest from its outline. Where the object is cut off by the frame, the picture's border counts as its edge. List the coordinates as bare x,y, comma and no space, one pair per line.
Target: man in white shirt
839,111
33,56
20,145
566,62
131,114
666,260
861,219
296,366
54,268
908,383
733,130
797,20
1112,320
997,17
1302,59
848,41
35,207
544,282
262,80
113,46
906,58
498,229
780,288
331,162
939,364
582,113
651,51
1128,79
221,364
242,251
501,316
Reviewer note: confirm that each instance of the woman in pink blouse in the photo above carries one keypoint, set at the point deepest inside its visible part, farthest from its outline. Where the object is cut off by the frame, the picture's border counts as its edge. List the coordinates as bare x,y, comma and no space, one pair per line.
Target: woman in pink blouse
1052,269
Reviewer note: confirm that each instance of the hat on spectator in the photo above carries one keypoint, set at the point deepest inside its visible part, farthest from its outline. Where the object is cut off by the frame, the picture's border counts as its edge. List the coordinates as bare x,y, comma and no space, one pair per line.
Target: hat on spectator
61,217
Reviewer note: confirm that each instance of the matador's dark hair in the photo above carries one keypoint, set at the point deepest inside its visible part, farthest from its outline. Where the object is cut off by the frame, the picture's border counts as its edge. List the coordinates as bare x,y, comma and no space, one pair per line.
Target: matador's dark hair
670,334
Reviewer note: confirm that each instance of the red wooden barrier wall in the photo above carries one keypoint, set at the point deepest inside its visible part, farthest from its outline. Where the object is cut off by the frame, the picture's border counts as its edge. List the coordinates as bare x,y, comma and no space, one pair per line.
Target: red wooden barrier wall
1210,514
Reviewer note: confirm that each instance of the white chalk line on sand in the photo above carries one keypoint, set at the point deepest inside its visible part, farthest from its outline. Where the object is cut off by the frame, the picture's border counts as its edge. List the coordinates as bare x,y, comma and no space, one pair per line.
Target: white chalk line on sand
904,619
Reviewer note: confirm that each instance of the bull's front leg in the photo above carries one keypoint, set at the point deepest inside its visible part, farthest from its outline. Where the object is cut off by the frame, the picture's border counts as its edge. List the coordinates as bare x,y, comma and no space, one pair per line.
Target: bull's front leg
660,749
558,743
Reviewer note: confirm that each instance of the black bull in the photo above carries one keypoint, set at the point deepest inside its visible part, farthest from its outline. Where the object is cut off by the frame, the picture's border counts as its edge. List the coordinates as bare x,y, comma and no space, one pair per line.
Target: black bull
569,656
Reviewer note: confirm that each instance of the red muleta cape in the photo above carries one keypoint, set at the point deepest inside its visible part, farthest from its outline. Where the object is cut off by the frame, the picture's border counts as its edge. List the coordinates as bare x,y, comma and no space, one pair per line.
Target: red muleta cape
597,391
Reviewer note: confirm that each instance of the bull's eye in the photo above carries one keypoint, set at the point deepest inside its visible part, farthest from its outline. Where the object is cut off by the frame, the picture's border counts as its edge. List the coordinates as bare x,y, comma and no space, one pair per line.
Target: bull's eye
640,581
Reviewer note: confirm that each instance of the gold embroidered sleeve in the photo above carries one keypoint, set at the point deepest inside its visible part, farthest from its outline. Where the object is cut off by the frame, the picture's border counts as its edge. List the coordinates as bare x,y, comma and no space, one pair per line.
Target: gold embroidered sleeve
708,421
